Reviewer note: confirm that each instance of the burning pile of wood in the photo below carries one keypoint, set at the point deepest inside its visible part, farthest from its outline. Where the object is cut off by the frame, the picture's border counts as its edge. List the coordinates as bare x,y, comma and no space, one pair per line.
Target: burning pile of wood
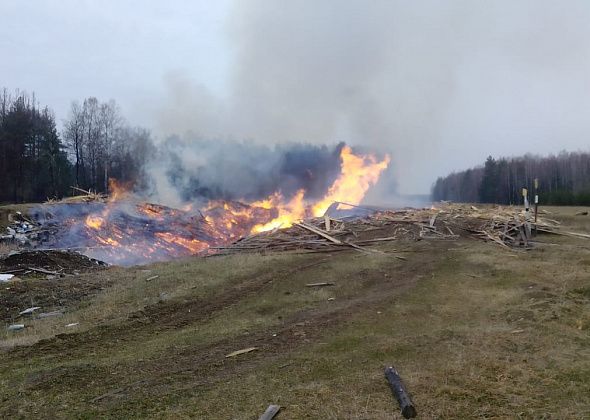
125,232
501,225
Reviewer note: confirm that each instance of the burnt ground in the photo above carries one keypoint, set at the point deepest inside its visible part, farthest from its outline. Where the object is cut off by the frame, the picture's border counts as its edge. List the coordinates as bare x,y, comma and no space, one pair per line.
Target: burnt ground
24,263
471,327
51,295
52,280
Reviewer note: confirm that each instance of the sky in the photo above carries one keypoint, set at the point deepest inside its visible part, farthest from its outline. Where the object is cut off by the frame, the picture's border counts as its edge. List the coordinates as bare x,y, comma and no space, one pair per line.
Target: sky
437,85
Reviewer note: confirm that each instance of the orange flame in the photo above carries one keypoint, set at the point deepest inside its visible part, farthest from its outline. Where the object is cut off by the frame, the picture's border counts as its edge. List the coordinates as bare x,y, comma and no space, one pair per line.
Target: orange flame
93,221
193,245
178,232
118,190
288,213
357,175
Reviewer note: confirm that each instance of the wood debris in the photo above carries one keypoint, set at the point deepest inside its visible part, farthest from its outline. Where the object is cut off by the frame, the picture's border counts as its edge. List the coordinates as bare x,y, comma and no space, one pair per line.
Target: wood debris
87,196
507,227
29,311
270,412
238,352
16,327
323,284
401,394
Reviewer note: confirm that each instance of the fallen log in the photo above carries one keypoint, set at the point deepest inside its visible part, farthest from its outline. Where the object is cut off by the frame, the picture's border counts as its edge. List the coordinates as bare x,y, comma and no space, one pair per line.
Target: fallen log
399,391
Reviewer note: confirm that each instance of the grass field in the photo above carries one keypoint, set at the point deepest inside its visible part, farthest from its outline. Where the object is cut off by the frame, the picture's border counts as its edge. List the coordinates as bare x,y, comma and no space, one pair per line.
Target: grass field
476,331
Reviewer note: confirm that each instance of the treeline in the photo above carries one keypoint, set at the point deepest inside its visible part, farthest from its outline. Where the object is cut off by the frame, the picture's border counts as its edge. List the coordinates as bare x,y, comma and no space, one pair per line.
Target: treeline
102,145
33,162
38,162
563,180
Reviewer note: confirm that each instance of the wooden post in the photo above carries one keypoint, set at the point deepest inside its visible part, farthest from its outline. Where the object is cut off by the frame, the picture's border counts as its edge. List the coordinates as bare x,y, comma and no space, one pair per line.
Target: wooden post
527,218
536,201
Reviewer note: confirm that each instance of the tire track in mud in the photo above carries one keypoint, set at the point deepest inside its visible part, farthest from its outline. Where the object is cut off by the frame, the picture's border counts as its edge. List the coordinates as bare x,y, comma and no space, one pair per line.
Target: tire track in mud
207,365
155,318
186,368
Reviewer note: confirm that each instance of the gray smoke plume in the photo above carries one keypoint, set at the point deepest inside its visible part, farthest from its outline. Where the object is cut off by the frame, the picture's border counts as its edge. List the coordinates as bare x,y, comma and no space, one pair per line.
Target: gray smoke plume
190,169
438,85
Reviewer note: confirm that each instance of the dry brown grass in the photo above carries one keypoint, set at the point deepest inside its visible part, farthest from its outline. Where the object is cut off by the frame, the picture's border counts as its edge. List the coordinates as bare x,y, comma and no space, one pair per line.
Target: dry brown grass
476,332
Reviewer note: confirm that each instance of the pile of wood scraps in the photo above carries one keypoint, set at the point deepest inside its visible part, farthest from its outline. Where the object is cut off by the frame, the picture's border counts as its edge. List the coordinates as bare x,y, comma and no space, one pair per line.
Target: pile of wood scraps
326,234
505,226
84,196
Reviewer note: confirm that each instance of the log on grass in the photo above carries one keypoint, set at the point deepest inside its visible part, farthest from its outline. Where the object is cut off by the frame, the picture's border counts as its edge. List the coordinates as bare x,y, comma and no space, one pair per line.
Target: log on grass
270,412
400,393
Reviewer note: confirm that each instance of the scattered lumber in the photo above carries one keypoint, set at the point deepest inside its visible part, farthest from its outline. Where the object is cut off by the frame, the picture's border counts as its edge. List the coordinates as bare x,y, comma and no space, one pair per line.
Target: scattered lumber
319,232
507,227
319,284
270,412
582,213
29,311
50,314
238,352
401,394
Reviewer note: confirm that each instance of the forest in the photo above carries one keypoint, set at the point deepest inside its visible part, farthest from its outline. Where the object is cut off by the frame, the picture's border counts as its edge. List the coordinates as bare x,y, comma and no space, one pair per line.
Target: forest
96,143
563,179
39,162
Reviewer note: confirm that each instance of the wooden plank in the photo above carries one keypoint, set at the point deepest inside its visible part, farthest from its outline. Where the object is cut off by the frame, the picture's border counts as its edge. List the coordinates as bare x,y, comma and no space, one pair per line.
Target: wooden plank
365,250
238,352
42,270
319,284
433,219
270,412
319,232
327,222
389,238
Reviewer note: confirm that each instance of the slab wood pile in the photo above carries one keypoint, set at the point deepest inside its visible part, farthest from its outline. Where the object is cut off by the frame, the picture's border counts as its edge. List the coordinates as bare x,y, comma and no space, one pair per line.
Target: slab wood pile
504,226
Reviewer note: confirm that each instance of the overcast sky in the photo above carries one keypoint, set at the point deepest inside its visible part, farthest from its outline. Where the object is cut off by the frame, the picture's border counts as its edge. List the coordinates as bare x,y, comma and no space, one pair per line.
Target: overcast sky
437,84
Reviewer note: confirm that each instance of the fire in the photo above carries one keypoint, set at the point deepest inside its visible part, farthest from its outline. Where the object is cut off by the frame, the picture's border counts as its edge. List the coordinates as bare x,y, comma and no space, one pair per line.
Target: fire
127,232
93,221
292,211
193,245
118,190
357,175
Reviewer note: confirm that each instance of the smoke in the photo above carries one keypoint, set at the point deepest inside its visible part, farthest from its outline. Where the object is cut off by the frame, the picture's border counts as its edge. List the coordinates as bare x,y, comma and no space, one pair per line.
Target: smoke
438,85
190,169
